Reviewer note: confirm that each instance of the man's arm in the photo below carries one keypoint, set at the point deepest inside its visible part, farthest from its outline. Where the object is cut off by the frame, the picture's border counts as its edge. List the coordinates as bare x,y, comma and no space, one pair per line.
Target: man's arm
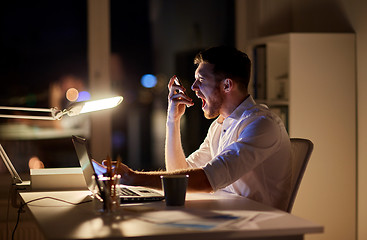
174,154
177,102
198,180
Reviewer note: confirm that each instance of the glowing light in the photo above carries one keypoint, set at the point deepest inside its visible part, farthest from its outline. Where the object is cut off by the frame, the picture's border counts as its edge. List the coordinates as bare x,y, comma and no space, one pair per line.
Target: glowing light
72,94
83,96
148,80
97,105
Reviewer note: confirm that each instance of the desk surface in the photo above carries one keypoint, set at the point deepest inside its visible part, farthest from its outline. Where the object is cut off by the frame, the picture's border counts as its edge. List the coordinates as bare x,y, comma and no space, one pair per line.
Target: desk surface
58,220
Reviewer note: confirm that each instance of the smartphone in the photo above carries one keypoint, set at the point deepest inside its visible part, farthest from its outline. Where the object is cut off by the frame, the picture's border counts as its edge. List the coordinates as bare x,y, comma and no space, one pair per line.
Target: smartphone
178,83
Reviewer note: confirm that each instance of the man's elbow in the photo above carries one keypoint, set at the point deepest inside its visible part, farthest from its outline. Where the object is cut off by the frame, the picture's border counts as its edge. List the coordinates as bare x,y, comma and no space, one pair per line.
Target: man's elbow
199,182
206,189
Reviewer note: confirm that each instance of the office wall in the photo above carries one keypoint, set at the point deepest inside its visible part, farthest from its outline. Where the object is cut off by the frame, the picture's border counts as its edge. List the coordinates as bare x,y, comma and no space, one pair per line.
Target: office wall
266,17
355,11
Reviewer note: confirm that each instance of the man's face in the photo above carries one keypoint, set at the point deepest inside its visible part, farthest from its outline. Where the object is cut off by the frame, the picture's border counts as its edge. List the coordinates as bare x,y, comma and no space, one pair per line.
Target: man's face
208,90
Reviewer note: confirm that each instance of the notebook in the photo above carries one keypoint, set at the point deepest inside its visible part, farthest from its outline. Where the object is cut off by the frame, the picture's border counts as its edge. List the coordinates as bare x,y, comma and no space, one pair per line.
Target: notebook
16,179
129,194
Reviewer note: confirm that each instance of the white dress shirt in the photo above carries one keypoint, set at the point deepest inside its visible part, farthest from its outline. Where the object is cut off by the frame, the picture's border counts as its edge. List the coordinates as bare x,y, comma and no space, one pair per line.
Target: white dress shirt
248,154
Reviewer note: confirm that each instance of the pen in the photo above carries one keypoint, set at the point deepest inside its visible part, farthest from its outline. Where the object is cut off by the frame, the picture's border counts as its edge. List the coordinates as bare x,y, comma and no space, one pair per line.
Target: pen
101,191
115,173
97,183
109,166
118,163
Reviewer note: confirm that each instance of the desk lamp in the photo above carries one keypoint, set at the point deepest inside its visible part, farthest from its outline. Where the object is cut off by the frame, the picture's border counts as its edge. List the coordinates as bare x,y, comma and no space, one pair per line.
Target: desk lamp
73,110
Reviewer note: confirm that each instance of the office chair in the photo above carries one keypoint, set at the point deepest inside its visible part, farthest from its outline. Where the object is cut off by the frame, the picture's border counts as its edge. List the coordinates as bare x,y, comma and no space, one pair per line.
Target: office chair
301,150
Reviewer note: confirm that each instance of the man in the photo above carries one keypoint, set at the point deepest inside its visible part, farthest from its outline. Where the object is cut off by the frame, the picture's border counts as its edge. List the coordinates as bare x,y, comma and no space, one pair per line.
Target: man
247,148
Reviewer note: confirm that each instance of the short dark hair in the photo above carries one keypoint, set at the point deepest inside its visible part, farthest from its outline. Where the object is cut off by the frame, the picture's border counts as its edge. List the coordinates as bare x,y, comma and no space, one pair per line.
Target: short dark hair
228,63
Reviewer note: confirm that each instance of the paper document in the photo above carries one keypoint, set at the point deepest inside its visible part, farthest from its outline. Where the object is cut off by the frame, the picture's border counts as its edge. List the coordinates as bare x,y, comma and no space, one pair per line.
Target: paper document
206,220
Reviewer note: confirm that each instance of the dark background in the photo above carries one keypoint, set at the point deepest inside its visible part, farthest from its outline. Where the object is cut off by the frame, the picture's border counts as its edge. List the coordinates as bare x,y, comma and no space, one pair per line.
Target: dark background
43,40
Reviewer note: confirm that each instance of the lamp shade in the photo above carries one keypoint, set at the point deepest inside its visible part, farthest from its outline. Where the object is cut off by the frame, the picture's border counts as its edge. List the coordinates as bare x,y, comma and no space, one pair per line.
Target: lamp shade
92,106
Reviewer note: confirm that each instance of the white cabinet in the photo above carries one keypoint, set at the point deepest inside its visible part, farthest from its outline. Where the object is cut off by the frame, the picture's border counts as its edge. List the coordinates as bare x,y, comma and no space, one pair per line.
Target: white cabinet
313,76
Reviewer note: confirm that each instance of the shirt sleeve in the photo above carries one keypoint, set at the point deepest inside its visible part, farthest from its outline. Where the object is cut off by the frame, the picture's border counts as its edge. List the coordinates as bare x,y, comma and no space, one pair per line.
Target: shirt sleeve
201,156
256,142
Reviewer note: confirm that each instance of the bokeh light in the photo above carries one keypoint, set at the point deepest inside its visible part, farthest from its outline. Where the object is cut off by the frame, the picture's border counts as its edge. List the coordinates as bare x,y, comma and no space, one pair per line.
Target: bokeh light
83,96
72,94
148,80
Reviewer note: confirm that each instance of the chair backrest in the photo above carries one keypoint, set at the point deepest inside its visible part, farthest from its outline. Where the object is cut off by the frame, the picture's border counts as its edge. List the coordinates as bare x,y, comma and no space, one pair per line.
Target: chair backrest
301,150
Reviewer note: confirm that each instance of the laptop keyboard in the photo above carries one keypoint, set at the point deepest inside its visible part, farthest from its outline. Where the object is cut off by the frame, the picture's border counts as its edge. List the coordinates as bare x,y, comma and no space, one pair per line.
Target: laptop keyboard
128,192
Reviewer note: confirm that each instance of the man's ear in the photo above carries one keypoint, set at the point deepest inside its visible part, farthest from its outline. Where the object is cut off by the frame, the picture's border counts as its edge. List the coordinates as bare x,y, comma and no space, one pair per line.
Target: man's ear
227,85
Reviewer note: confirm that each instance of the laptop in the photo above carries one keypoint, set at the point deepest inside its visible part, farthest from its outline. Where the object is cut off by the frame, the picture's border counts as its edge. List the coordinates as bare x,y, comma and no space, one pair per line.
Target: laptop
16,179
128,194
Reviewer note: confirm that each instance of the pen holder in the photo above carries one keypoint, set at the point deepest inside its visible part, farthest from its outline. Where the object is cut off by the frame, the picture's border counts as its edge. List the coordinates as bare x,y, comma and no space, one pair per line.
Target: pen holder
106,194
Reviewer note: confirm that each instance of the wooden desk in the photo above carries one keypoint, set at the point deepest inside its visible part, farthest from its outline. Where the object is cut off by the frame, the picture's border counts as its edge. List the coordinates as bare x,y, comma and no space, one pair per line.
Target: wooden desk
59,220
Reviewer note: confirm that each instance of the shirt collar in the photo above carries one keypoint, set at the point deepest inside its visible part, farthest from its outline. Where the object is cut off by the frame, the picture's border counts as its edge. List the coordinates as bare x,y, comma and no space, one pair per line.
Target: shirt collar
238,112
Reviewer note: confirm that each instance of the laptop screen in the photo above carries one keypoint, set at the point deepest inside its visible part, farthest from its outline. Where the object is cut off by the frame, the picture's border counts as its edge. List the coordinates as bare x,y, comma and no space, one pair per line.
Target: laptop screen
135,194
86,165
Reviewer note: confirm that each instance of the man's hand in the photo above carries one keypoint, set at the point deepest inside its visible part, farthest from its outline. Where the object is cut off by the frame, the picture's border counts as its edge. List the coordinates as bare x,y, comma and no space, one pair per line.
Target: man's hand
99,168
177,100
128,176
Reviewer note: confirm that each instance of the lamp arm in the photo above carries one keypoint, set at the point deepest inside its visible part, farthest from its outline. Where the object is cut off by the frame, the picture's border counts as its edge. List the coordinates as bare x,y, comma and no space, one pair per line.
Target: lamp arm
26,109
73,110
55,113
27,117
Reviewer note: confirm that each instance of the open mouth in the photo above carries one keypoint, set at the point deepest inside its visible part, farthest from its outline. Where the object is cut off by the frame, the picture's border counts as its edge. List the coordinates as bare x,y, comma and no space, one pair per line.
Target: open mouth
203,102
202,99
